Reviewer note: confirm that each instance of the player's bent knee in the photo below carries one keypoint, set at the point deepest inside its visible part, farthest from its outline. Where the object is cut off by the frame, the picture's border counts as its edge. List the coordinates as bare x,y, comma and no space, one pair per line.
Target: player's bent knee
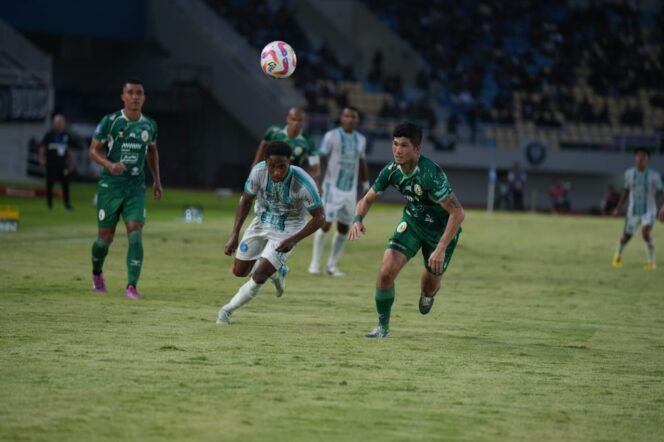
386,277
241,270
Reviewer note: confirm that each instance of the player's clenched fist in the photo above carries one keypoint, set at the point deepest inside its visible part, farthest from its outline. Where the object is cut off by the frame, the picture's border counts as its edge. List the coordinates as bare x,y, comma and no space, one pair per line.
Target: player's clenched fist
231,245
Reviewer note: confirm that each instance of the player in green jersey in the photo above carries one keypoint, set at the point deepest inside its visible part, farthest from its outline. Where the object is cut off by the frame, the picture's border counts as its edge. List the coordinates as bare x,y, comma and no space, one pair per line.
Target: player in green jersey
122,142
303,149
431,221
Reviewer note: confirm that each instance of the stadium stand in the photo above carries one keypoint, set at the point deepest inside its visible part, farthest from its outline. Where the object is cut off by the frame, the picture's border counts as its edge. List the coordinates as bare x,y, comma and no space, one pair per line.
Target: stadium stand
578,74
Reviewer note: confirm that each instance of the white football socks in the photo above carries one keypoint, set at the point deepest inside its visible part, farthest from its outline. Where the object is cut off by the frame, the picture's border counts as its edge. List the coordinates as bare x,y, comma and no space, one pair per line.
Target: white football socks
246,293
338,244
319,245
650,248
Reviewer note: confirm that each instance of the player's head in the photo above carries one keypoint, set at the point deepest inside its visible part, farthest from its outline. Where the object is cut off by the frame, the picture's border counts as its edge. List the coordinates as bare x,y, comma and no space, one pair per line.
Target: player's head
350,118
641,157
407,142
59,122
277,158
295,119
133,95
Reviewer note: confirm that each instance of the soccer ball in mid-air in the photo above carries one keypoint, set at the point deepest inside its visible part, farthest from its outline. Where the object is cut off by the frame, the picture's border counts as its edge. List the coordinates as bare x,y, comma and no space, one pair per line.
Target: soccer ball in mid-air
278,59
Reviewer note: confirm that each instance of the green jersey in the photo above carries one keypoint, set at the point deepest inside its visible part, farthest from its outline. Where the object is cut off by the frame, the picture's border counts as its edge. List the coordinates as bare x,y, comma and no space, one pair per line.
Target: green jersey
302,145
126,142
424,188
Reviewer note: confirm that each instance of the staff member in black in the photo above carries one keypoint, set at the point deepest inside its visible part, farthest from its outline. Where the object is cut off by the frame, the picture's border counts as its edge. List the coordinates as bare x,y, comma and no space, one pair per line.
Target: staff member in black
55,155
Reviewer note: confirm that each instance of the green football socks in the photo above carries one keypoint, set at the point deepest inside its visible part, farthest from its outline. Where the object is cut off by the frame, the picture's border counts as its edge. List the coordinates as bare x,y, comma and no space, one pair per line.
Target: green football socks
134,257
99,252
384,301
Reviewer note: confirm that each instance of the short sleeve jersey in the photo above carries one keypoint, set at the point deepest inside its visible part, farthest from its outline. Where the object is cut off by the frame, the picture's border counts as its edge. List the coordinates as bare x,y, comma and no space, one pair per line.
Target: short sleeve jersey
284,205
344,151
643,187
424,189
302,145
126,142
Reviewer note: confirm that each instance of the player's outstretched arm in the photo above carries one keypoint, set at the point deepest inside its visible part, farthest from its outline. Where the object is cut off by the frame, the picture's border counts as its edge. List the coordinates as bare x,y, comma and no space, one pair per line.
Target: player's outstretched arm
153,164
97,153
357,229
260,153
241,213
316,221
452,205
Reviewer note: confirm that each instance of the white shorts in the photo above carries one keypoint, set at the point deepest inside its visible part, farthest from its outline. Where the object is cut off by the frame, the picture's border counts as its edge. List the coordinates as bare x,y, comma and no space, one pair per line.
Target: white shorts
339,206
259,241
632,222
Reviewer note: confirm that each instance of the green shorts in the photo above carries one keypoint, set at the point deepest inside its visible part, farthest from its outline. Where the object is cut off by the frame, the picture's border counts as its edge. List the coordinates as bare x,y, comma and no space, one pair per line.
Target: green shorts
111,203
408,239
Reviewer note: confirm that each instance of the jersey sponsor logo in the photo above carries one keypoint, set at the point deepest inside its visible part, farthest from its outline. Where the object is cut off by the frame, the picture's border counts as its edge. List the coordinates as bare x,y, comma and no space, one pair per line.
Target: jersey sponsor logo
102,214
418,190
402,227
244,247
132,135
129,158
145,136
134,146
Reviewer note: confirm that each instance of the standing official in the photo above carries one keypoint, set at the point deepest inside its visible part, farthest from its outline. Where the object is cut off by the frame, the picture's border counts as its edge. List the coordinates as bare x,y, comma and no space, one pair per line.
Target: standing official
55,157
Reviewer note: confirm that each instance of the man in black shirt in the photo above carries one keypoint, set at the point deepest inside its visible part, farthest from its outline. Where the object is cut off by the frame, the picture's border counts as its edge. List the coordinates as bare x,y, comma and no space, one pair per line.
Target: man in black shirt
55,155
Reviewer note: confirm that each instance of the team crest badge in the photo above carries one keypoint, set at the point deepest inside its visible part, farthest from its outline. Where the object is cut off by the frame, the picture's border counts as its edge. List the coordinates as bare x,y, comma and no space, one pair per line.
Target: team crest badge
244,247
145,136
402,227
297,151
418,189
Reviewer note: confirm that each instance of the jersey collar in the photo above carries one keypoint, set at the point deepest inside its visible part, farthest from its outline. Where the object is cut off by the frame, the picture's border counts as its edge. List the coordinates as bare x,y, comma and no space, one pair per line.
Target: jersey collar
126,118
285,130
406,174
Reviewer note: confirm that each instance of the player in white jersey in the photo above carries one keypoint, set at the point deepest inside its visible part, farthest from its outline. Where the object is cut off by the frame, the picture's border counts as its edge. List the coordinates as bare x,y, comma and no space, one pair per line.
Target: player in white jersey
344,149
284,195
642,186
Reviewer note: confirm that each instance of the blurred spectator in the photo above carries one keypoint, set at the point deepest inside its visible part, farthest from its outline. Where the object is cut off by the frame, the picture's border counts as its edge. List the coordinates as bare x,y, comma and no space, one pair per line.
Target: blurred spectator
517,183
610,201
559,199
503,201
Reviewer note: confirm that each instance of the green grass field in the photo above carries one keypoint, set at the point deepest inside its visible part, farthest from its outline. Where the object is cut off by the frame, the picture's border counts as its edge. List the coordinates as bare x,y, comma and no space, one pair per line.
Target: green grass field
534,336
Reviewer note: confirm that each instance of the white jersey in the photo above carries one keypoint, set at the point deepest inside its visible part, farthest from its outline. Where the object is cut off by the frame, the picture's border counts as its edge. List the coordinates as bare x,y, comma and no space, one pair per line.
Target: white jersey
282,206
642,187
344,151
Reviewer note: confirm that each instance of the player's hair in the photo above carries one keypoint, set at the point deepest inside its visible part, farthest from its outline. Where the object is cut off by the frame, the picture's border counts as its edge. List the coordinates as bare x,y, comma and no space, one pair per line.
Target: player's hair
409,130
642,149
132,81
279,148
351,108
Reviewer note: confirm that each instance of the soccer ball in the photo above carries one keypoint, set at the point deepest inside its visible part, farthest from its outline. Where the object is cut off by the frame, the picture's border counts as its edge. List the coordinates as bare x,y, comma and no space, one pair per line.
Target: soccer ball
278,59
